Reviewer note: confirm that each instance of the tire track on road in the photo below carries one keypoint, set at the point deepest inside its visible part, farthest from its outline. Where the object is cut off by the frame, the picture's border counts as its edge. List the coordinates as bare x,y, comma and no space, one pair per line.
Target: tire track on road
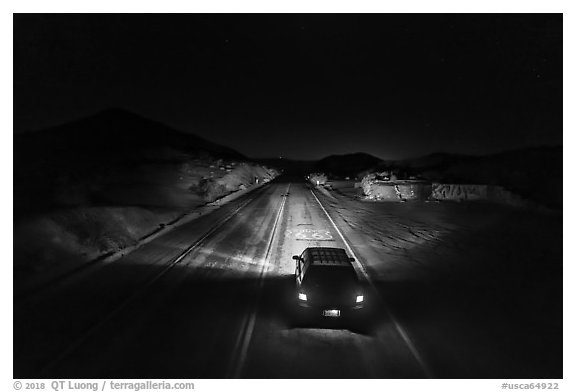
244,337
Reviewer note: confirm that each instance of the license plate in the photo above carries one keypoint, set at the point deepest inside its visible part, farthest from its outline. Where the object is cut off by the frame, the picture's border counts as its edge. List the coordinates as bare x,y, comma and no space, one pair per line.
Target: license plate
331,313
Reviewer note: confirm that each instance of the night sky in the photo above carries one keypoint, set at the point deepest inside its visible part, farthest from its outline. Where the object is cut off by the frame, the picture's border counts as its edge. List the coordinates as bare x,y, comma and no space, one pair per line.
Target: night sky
302,86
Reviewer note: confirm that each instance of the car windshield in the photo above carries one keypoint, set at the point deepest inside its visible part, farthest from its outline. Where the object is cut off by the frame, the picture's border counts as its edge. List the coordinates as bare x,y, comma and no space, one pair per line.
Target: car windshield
330,275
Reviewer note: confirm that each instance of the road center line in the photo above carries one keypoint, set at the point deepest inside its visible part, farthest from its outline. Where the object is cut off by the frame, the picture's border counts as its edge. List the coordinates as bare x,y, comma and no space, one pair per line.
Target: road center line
397,324
245,336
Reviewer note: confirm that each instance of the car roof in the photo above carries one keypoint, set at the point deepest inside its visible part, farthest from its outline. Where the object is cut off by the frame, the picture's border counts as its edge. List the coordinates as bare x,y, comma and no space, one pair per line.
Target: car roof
329,257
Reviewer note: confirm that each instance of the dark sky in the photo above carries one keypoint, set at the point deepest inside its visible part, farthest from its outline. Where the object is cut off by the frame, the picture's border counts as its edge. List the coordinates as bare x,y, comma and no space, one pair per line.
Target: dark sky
303,86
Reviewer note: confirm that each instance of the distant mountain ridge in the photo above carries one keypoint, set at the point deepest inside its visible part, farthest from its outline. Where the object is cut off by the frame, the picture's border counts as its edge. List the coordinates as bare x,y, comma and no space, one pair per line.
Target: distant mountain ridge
534,173
115,131
352,164
101,141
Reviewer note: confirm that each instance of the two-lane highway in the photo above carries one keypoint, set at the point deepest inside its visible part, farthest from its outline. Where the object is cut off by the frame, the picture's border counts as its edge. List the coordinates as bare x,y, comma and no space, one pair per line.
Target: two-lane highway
210,299
280,348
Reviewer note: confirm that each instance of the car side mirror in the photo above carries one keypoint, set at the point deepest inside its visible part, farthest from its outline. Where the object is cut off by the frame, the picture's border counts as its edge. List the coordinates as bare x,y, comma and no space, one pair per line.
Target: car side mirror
352,259
296,258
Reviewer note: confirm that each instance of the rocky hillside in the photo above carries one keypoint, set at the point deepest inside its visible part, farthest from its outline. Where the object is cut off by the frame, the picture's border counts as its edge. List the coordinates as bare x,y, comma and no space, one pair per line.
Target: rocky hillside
98,185
532,173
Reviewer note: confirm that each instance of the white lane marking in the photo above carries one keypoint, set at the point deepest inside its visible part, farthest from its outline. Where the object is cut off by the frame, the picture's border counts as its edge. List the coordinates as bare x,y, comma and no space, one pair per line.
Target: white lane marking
362,269
245,336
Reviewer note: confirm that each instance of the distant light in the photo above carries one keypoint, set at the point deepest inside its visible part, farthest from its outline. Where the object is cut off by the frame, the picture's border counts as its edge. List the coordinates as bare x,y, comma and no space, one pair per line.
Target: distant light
302,297
359,298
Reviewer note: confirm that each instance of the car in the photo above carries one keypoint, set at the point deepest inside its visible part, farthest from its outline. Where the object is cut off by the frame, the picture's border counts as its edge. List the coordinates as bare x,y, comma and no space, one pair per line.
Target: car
327,284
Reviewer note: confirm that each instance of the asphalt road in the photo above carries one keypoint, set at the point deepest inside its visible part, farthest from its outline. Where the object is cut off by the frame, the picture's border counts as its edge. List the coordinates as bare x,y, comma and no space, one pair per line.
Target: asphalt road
213,299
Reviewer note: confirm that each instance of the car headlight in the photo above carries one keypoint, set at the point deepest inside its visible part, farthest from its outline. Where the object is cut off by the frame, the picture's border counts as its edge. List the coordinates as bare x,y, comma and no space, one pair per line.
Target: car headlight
359,298
302,297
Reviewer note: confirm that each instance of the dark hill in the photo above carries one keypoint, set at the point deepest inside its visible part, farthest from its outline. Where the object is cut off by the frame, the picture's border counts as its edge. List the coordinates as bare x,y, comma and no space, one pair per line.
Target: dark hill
346,165
113,132
534,173
87,153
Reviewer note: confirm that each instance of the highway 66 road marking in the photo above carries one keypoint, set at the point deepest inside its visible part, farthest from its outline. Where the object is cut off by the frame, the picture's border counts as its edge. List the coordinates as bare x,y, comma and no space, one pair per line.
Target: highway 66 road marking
311,235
